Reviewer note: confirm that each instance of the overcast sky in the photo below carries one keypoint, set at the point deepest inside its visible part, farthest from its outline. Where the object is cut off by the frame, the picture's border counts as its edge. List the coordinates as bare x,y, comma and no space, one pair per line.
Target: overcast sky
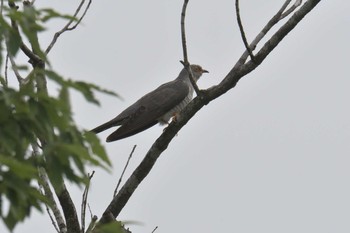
270,156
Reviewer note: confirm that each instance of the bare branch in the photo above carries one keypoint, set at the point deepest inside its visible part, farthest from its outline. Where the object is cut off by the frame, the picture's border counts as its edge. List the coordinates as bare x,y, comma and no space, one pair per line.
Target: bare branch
91,215
291,9
68,27
84,201
68,208
183,32
46,190
51,217
155,229
6,69
185,62
239,21
20,80
44,185
126,165
92,224
273,21
230,81
81,17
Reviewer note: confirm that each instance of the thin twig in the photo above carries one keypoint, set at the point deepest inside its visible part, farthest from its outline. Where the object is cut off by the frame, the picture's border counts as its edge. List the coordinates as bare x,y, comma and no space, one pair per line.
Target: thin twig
53,222
121,176
291,9
92,224
84,201
91,215
67,26
273,21
6,68
154,229
15,70
240,25
81,17
185,62
183,32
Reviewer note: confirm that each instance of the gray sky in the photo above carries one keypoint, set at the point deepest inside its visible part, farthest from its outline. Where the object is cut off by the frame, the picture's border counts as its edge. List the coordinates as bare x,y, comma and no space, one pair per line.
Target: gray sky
271,155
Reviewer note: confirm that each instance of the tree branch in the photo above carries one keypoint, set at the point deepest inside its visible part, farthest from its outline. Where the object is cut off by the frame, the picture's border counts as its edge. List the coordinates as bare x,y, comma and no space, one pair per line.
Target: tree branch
241,29
273,21
185,62
291,9
84,202
69,211
49,195
20,80
68,27
6,69
44,185
126,165
230,81
92,224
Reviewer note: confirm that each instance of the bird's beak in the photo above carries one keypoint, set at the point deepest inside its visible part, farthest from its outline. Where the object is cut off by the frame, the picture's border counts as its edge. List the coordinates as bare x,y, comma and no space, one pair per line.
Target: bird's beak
205,71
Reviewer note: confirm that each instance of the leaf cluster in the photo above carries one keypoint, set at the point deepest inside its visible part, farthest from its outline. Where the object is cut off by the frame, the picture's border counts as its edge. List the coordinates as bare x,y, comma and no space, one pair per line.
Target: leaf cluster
37,129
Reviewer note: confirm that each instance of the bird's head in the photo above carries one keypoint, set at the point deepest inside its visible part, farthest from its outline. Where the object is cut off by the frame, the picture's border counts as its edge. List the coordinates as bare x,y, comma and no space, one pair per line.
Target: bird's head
197,71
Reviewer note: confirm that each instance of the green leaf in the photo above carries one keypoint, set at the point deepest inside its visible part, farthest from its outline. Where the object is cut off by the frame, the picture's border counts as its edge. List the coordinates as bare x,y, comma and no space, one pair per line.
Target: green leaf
14,42
113,227
86,89
14,39
51,13
97,147
22,169
26,20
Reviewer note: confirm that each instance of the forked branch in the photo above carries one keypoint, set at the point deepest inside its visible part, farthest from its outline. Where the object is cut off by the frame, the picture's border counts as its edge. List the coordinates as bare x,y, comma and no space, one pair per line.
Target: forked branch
68,26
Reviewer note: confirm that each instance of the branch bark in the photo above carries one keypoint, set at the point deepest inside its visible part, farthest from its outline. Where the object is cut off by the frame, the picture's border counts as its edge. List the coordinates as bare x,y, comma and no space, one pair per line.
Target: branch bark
237,72
68,207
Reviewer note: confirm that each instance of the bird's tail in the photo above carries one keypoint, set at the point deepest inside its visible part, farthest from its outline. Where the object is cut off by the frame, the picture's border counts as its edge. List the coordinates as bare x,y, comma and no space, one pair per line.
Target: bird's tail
104,126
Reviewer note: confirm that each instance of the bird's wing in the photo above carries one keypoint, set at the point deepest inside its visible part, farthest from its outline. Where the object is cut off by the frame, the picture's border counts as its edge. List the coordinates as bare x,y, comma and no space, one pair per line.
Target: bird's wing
147,110
107,125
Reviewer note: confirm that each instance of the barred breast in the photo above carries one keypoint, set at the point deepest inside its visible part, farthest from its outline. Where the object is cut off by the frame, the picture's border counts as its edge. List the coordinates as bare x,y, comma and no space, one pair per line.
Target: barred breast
177,109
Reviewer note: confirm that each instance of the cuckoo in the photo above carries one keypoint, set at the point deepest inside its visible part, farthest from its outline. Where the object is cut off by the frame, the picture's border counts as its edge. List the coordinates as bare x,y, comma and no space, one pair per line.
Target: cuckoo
158,106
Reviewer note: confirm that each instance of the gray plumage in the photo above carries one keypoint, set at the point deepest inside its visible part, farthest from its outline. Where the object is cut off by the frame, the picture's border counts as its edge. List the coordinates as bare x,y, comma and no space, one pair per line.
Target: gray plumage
158,106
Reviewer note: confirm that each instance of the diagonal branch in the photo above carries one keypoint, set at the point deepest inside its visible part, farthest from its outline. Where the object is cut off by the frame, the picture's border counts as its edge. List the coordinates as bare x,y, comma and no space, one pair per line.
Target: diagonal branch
126,165
273,21
291,9
240,25
45,186
68,26
230,81
68,208
49,195
20,80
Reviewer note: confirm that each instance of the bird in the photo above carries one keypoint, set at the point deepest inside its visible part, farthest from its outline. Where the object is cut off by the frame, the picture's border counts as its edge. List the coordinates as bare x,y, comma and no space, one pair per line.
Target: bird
158,106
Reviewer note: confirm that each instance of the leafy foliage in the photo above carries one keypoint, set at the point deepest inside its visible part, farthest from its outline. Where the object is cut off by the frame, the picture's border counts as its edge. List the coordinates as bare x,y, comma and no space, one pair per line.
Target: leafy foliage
36,128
